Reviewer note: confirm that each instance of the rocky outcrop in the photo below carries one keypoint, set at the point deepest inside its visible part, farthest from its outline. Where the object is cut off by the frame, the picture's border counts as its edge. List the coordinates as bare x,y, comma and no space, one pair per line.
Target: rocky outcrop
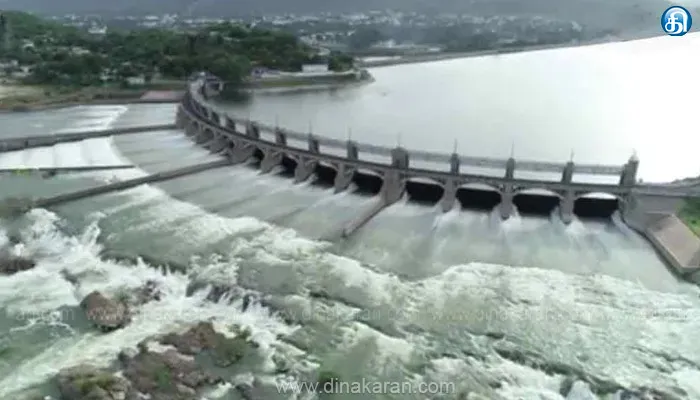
10,265
89,383
165,376
105,313
202,337
216,291
172,374
150,291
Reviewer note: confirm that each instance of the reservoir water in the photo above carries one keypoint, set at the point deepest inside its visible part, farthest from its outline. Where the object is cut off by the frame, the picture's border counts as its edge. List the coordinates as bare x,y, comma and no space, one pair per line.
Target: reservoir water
603,102
505,310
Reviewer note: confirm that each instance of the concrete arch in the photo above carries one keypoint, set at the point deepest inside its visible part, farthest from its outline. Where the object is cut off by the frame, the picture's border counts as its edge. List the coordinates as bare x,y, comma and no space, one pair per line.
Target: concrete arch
258,153
597,205
367,182
478,196
598,195
369,171
427,181
537,192
326,174
479,186
205,134
536,201
289,163
192,128
424,190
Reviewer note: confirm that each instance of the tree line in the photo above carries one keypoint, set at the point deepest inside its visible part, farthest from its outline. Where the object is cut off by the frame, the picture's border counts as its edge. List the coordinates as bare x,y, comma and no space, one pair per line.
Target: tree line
60,54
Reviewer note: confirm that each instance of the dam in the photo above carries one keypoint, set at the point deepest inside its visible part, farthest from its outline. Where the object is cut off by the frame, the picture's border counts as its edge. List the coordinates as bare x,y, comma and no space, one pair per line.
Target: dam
415,293
342,163
387,175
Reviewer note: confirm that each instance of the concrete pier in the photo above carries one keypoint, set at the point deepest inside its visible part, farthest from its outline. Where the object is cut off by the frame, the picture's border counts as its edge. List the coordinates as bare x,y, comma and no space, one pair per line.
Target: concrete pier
116,186
27,142
363,218
648,208
677,245
58,170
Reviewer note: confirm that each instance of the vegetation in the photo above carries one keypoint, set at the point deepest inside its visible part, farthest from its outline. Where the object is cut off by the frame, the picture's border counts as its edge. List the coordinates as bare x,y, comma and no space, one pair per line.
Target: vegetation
163,377
101,380
690,214
53,54
363,38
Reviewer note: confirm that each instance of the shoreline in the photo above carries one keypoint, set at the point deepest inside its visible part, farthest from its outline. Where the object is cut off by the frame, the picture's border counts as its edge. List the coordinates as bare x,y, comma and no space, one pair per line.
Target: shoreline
76,99
164,96
443,56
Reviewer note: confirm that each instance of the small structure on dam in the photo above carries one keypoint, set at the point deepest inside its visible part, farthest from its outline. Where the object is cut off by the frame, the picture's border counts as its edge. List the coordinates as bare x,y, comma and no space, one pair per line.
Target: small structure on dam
342,162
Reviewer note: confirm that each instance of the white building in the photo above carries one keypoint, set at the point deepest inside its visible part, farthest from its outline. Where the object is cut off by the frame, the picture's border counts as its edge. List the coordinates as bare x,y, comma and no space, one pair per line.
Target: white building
314,68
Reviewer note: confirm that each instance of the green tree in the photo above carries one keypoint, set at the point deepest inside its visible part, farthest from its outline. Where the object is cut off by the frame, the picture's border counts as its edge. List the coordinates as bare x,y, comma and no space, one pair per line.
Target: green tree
364,38
340,62
66,55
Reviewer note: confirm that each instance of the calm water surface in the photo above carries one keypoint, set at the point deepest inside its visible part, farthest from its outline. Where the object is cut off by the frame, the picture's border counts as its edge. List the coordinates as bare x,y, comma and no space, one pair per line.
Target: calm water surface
602,102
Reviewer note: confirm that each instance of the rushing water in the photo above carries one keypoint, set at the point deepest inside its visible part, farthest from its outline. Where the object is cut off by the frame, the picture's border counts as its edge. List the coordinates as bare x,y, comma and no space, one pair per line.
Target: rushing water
416,295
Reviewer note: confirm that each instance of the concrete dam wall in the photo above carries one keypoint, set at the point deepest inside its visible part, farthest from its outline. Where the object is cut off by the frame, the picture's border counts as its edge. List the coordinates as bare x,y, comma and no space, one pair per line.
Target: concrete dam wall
342,163
390,174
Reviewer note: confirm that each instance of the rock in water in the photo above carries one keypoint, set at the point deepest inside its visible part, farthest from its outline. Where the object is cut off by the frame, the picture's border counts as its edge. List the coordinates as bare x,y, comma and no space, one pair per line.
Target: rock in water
11,265
165,376
85,382
105,313
149,292
224,351
580,391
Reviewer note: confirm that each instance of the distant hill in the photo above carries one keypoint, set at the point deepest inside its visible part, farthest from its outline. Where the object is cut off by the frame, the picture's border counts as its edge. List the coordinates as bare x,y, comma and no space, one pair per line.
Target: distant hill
621,15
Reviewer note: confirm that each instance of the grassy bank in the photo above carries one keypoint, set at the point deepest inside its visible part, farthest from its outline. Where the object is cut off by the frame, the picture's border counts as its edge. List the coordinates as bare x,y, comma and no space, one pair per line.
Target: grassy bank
35,98
690,214
49,97
301,81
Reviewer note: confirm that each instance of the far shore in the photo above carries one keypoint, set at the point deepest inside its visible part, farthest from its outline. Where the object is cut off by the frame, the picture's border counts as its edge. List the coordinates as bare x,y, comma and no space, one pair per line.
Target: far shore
19,98
443,56
24,98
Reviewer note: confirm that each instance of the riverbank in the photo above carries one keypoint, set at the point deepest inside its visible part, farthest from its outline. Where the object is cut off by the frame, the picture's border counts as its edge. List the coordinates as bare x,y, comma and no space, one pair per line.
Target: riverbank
301,83
443,56
690,215
25,98
33,98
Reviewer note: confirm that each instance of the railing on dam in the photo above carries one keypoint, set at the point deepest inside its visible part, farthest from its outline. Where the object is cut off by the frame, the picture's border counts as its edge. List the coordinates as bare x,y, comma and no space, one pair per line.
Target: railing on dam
626,172
333,149
640,206
416,155
241,140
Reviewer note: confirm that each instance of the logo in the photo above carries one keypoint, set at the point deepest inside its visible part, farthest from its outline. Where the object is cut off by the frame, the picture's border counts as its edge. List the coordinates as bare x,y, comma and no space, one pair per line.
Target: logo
676,21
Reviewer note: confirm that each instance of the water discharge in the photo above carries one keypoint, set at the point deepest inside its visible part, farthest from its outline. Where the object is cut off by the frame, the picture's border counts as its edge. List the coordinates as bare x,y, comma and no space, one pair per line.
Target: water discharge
505,309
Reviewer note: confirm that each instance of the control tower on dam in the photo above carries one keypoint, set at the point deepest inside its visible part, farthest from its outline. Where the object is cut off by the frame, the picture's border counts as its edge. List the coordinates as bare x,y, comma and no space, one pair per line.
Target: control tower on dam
391,173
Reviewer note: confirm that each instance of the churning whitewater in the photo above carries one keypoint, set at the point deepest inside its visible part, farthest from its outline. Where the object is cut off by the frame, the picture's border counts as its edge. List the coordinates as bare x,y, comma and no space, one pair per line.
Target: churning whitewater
526,309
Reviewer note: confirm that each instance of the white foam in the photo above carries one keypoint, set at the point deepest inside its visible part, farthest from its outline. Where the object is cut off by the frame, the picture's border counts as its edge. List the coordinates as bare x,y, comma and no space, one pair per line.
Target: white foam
76,154
95,118
39,157
4,240
218,392
689,380
521,382
79,256
596,316
12,159
387,348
